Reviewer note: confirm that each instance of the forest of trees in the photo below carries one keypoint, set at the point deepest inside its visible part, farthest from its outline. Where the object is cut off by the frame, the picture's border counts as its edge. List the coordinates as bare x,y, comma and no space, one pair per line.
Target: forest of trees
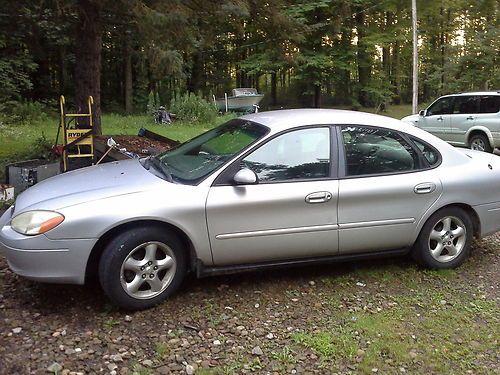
298,52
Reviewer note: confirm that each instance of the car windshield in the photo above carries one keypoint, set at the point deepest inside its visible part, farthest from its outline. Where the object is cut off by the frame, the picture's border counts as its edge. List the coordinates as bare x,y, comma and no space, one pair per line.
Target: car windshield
192,161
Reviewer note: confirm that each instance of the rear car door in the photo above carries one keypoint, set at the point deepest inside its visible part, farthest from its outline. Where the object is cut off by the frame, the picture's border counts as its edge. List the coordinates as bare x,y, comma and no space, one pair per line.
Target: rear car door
463,117
386,185
290,213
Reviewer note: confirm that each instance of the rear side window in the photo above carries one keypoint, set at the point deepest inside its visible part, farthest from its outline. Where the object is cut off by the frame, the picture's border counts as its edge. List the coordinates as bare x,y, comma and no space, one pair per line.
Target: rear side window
466,104
490,104
376,151
429,153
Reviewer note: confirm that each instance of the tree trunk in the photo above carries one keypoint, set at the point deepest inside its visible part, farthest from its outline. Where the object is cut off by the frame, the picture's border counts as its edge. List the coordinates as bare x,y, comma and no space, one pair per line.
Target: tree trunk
364,60
274,84
396,73
128,77
88,47
317,96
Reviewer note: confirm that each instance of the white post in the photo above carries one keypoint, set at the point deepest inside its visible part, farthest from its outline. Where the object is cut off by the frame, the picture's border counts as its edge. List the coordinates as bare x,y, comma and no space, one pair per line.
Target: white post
225,99
414,102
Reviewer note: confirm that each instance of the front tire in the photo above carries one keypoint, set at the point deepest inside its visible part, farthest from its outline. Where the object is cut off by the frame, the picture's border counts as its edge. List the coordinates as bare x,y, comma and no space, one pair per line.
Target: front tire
141,267
445,239
480,142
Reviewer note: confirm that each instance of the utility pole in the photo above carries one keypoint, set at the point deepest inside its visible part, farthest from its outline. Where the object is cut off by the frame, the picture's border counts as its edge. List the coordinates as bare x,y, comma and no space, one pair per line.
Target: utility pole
414,102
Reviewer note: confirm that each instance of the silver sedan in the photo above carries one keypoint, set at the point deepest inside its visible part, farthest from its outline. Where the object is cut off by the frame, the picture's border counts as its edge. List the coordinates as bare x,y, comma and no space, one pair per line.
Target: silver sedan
264,190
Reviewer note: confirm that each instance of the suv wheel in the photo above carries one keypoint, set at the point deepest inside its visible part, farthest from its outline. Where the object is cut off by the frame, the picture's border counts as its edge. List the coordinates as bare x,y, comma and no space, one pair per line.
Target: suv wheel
480,142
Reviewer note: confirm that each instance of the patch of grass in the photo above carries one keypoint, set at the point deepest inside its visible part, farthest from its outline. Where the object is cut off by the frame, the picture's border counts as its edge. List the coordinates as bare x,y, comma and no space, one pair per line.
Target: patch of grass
285,356
141,370
162,350
328,346
432,329
209,311
110,323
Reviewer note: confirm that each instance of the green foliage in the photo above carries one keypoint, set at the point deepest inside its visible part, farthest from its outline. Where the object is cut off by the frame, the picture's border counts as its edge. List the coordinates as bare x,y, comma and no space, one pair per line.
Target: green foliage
193,108
23,112
153,102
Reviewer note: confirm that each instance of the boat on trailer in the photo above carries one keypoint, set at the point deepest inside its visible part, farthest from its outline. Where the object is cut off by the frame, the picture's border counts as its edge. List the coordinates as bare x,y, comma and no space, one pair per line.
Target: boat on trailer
242,100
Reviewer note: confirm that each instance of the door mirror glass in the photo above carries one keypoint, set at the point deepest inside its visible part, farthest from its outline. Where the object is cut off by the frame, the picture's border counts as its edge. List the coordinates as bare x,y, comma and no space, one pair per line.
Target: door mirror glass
245,176
422,113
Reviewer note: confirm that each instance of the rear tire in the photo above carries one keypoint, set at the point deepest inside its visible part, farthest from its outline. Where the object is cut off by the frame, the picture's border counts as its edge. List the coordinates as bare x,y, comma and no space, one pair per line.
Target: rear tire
480,142
445,239
142,267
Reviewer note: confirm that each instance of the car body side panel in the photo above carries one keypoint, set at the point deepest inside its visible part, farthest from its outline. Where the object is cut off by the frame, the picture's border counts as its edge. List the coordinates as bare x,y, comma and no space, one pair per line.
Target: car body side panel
459,127
473,184
178,205
256,223
380,212
493,137
438,125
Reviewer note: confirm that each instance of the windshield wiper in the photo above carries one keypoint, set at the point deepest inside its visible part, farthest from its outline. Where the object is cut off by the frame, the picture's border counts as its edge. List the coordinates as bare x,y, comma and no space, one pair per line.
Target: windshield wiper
159,166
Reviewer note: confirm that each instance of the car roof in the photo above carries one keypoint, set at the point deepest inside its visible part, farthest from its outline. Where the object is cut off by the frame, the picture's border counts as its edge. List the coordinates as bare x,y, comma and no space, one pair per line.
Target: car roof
291,118
473,93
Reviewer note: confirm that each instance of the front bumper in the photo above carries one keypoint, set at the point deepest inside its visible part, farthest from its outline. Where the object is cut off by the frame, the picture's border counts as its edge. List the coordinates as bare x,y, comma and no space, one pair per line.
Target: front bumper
42,259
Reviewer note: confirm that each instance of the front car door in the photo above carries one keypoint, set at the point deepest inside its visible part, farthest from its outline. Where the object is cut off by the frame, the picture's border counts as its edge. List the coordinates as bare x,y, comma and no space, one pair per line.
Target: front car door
386,185
290,213
437,118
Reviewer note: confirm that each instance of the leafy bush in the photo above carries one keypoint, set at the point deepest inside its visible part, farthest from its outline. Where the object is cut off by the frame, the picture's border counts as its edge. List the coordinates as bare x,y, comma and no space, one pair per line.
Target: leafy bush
193,108
23,112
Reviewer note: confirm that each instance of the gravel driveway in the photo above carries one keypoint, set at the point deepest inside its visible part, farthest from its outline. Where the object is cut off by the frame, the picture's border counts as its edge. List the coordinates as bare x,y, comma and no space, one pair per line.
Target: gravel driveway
387,316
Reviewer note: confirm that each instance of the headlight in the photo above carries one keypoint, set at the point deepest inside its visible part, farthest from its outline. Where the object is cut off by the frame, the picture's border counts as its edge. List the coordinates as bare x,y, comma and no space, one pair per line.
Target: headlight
36,222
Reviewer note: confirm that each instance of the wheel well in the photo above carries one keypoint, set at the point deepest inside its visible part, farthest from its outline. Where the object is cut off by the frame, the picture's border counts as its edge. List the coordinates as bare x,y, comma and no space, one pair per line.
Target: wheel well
477,132
97,250
476,224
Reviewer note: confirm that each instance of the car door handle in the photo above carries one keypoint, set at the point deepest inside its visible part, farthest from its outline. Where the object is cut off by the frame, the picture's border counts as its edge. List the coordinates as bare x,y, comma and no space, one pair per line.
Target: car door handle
425,188
440,118
470,118
318,197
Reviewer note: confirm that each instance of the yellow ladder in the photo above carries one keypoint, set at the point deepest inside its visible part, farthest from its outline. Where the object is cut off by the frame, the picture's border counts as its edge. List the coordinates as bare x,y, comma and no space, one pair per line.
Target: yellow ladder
75,138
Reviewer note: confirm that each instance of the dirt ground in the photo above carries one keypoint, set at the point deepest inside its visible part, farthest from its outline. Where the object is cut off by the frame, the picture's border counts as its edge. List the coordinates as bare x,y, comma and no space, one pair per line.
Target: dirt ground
386,316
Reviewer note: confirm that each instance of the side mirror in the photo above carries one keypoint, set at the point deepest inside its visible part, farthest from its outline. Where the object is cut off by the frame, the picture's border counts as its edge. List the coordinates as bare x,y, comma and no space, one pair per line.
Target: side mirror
422,113
245,176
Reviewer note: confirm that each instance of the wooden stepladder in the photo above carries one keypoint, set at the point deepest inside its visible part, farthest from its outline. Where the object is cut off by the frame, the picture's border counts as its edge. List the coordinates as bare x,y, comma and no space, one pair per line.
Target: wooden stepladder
77,142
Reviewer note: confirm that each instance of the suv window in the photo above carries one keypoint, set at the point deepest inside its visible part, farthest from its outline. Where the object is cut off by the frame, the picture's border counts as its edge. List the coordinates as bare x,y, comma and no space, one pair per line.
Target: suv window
376,151
442,106
490,104
466,104
299,154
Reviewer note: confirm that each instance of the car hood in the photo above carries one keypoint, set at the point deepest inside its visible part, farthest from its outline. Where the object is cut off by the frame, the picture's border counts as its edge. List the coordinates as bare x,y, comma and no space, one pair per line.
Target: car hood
88,184
412,119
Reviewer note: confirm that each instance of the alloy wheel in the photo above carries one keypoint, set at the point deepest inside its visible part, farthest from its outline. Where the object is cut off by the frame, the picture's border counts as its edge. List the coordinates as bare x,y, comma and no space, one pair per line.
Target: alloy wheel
148,270
478,144
447,239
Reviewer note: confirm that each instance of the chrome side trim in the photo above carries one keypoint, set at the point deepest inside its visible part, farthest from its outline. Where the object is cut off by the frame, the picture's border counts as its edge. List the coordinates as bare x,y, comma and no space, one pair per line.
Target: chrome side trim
315,228
494,209
377,223
274,232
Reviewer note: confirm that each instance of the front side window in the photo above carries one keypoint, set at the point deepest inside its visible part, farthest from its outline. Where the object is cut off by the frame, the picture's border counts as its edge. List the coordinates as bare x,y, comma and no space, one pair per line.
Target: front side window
190,162
442,106
490,104
371,150
466,104
297,155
